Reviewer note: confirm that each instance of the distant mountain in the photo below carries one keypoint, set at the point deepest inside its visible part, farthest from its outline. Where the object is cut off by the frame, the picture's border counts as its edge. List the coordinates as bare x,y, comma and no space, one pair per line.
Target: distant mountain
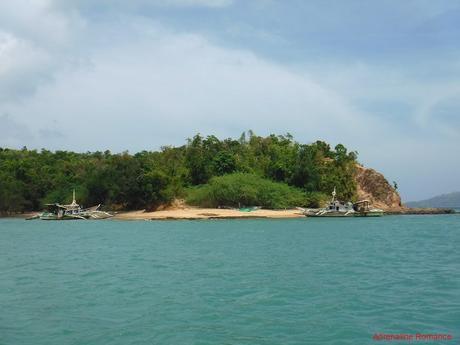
451,200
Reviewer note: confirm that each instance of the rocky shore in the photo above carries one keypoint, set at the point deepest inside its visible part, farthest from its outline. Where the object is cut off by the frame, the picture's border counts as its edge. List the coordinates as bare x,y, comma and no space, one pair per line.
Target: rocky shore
408,210
373,186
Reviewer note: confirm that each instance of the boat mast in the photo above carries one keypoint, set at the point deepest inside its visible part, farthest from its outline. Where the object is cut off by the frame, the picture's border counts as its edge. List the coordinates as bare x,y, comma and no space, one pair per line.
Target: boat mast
74,202
333,195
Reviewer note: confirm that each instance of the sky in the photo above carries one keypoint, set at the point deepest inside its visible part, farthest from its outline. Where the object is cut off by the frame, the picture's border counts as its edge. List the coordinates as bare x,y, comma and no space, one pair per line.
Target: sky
380,77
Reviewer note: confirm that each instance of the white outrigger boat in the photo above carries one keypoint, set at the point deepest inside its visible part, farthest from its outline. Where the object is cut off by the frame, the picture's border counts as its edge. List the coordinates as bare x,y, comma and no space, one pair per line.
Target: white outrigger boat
72,211
335,208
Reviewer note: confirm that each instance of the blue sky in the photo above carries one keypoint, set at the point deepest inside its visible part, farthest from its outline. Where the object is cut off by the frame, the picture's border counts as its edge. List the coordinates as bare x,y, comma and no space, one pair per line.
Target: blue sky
381,77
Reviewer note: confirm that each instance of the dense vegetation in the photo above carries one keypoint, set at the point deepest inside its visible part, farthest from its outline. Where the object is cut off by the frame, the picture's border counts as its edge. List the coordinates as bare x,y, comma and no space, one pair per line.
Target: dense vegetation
241,189
273,172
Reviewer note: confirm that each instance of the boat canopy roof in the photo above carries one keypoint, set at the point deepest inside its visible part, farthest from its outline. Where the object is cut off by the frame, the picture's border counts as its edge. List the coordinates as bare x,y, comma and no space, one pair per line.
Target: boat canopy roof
59,206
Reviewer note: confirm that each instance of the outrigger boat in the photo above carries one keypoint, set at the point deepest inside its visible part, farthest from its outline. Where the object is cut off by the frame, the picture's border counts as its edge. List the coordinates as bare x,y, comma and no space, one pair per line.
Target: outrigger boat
336,208
72,211
363,209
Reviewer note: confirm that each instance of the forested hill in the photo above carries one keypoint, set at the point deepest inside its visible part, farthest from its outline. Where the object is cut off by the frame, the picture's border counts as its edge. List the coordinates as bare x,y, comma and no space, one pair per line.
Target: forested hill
273,171
451,200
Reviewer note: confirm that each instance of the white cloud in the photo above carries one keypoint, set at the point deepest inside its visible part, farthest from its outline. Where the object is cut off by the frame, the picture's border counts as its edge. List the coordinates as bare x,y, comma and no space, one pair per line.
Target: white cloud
35,42
69,81
108,5
399,96
23,67
14,134
39,22
206,3
169,86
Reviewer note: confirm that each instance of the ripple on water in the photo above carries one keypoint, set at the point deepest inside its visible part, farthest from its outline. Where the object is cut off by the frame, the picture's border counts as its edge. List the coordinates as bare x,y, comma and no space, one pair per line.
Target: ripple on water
228,282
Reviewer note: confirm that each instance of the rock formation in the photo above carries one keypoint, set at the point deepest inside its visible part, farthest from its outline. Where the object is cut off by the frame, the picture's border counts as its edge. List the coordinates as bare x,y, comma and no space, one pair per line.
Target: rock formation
373,186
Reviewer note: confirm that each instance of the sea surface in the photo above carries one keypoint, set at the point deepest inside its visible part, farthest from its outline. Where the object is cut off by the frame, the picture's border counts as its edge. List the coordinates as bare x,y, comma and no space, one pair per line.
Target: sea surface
300,281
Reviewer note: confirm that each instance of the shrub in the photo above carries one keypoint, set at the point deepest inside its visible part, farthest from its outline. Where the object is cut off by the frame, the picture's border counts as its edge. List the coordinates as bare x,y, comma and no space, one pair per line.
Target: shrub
240,189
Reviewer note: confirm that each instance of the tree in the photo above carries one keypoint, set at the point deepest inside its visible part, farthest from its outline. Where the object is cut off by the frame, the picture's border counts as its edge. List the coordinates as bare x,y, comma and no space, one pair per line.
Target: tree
28,178
224,163
153,189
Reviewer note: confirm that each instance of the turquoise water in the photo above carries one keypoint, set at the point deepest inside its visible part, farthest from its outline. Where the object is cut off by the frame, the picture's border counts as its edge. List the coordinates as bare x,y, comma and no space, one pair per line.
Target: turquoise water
302,281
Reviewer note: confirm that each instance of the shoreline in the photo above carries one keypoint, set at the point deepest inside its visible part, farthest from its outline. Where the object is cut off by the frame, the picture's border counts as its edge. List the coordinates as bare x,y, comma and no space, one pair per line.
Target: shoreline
207,213
194,213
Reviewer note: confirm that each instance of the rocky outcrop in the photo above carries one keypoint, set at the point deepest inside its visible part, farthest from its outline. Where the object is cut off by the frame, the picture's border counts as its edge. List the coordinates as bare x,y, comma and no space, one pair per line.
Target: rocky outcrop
373,186
406,210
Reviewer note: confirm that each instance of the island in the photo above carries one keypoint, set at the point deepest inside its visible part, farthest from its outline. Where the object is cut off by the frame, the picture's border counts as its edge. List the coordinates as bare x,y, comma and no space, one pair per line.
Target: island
250,176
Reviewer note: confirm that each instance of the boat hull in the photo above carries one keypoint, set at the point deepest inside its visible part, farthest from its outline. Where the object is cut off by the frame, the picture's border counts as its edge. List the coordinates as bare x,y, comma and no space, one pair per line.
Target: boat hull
334,214
370,214
53,217
331,214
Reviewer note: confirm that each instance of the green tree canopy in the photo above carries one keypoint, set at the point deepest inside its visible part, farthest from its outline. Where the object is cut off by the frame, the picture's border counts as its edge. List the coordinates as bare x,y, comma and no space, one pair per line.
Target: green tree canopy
30,178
